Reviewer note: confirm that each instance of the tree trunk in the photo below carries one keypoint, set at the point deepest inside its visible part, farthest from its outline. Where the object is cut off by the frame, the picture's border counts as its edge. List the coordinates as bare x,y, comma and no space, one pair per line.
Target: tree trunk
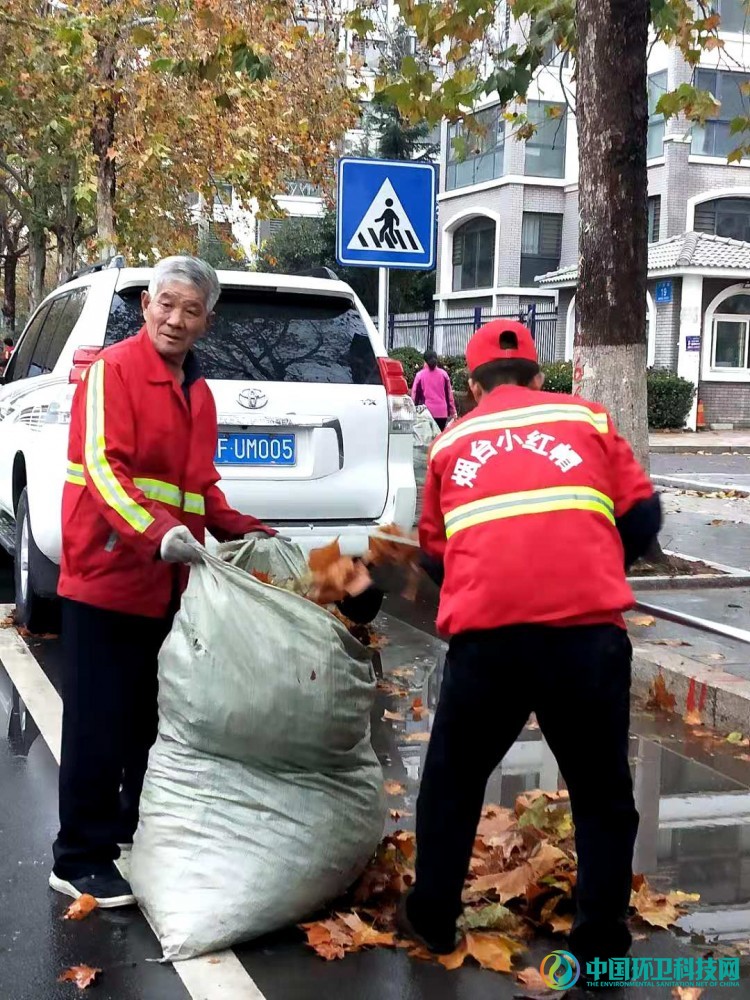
610,353
37,266
66,254
103,138
10,271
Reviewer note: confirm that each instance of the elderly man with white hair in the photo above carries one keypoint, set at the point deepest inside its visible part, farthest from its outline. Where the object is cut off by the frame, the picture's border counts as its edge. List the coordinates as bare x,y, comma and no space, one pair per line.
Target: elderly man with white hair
141,491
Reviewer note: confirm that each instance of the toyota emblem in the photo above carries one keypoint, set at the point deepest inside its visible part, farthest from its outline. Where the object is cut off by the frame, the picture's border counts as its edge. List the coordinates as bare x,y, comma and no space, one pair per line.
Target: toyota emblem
252,399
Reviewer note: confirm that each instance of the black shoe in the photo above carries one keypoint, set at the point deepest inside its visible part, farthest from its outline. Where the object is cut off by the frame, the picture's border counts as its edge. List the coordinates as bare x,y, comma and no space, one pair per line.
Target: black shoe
106,885
443,943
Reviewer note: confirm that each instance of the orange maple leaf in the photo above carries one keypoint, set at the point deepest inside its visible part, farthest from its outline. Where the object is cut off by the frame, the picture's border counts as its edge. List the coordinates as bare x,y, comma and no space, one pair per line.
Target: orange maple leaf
80,908
82,975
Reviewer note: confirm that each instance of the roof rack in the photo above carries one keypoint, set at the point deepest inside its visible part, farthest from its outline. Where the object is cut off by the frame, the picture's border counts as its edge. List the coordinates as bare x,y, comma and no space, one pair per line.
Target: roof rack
115,261
318,272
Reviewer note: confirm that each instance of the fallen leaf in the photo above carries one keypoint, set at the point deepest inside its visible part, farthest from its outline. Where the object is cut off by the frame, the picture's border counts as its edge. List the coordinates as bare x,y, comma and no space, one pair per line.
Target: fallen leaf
505,885
413,580
389,716
82,975
642,621
716,656
546,859
659,909
340,579
8,622
263,577
320,559
214,961
417,738
693,718
687,992
382,551
313,676
394,788
561,923
456,958
80,908
744,757
397,814
738,740
718,520
667,642
495,821
418,710
492,951
659,697
494,916
532,978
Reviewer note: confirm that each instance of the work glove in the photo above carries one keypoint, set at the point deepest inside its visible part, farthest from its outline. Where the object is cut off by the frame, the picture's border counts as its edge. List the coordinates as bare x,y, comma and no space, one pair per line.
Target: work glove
179,546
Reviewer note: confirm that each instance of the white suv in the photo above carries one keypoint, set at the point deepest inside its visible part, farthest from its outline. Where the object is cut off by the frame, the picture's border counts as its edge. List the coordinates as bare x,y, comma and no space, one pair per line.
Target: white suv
315,423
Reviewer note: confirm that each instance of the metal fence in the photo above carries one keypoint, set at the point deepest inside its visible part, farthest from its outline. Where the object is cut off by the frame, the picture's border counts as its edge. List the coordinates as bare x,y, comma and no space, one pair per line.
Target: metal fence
450,334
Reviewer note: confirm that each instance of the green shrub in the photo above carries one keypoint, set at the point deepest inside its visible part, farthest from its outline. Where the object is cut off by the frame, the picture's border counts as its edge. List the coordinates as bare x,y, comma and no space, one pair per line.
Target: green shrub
411,359
452,363
669,399
460,379
558,377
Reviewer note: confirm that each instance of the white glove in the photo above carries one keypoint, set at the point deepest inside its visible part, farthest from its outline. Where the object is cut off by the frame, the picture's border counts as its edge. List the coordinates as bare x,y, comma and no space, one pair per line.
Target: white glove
179,546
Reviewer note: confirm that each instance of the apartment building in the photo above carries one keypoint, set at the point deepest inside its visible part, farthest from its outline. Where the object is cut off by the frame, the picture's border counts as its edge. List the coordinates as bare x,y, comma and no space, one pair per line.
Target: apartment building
508,219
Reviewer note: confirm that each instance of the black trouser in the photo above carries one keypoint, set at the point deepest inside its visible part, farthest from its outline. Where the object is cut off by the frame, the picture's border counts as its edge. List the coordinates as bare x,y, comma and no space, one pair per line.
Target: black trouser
441,422
110,718
577,680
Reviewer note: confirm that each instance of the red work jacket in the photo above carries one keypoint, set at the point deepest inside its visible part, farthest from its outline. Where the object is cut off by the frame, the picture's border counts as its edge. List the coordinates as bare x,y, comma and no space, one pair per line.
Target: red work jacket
520,502
140,462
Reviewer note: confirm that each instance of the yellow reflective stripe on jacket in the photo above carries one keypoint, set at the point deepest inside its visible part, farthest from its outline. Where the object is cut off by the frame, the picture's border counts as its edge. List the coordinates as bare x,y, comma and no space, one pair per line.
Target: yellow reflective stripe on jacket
75,474
156,489
95,455
194,504
530,502
526,416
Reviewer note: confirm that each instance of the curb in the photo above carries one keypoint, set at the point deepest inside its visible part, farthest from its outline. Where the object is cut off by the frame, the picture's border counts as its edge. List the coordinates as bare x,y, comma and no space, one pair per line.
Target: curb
731,576
706,489
723,699
696,449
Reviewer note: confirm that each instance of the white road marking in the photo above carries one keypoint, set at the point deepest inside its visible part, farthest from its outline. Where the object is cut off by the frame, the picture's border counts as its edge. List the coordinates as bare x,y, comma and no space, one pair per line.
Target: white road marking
220,976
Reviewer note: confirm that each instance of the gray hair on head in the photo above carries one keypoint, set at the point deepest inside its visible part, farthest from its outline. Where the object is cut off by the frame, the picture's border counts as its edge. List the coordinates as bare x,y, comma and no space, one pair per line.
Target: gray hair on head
189,271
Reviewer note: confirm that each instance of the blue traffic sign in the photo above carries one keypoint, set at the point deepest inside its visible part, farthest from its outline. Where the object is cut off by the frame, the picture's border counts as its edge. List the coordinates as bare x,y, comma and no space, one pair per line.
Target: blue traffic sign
386,214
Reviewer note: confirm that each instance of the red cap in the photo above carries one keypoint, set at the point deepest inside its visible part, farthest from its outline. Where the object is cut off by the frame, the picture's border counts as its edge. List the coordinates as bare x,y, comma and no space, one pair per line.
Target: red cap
484,346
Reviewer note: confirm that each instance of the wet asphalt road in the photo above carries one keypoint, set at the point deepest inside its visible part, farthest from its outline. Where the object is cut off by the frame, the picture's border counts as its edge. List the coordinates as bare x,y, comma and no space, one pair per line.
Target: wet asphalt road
694,800
728,469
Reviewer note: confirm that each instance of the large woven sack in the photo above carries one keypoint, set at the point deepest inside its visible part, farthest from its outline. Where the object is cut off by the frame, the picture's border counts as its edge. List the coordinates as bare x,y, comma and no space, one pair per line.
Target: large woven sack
425,428
263,797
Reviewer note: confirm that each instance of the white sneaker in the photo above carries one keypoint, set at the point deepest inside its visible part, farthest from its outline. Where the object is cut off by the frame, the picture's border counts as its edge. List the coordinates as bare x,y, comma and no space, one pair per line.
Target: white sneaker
106,885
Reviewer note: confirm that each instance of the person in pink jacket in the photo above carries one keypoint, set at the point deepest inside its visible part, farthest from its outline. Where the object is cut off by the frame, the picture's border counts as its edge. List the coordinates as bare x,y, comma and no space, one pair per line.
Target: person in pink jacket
432,388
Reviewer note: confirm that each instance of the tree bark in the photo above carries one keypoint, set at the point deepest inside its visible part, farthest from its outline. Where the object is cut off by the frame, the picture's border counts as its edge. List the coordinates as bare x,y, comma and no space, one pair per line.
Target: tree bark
10,271
103,137
610,353
37,266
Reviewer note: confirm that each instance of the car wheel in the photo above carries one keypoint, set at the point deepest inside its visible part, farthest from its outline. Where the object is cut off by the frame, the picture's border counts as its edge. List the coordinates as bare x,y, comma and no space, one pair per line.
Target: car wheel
38,614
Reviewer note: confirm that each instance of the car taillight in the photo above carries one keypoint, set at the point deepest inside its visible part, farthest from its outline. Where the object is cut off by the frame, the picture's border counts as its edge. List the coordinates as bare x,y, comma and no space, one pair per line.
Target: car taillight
400,407
83,359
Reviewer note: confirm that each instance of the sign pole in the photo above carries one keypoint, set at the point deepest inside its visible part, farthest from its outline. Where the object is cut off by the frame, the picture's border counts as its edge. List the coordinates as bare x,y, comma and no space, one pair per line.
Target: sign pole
383,296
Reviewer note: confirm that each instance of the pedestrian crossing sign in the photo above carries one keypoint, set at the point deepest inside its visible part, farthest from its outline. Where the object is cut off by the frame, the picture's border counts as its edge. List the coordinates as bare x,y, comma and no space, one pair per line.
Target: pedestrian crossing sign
386,214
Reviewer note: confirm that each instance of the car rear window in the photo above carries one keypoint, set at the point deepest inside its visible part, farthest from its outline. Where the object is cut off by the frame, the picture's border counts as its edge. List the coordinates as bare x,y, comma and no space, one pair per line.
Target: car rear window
271,337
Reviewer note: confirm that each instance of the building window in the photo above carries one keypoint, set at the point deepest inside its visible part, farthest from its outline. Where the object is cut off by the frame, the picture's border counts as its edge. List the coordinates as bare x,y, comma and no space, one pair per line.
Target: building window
545,150
715,137
474,255
222,194
541,245
657,85
733,14
654,218
731,335
724,217
476,154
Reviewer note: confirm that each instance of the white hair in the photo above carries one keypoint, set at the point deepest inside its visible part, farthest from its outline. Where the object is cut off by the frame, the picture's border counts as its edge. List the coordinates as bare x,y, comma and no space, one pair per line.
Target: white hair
190,271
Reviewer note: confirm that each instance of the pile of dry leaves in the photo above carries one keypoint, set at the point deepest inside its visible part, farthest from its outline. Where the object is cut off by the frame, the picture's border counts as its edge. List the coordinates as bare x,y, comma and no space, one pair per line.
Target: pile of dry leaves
520,881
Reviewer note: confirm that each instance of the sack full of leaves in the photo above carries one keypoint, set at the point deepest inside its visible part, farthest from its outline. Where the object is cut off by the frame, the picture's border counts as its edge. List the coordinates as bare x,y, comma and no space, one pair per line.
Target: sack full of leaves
263,797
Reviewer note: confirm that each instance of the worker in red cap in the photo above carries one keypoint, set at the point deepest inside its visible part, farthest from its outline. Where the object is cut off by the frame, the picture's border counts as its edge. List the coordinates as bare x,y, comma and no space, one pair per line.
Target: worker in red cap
534,506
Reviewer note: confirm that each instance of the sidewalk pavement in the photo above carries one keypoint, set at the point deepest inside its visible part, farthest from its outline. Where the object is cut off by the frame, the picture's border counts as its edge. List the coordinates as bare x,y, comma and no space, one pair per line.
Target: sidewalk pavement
710,442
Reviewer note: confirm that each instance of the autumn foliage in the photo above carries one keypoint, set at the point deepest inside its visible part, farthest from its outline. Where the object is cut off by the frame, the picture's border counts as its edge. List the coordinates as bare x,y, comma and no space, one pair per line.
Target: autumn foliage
521,879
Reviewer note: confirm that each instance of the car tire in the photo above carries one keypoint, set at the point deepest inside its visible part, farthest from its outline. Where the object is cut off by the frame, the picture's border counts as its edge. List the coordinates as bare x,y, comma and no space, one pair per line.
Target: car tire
36,613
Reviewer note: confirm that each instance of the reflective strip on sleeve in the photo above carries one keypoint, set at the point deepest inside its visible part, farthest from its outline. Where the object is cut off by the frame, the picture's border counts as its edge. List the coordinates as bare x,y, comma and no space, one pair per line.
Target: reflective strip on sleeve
531,502
75,474
156,489
103,478
527,416
194,504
